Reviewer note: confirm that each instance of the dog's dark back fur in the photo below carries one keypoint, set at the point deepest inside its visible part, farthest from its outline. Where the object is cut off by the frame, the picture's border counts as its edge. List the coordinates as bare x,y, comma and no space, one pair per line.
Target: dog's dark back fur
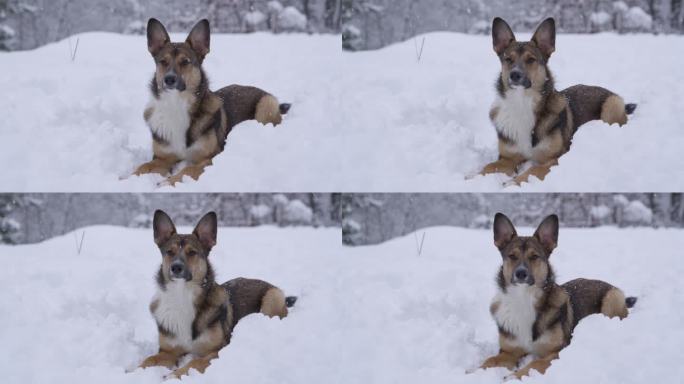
586,296
246,295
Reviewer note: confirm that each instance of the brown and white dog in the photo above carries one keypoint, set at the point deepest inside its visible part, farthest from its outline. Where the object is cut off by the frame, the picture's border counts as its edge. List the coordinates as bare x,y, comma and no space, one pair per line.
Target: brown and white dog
195,315
535,316
190,123
533,120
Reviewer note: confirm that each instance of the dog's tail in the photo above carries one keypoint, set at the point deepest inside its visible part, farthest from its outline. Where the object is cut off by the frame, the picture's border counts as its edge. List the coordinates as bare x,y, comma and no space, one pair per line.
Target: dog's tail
290,301
629,109
284,107
630,301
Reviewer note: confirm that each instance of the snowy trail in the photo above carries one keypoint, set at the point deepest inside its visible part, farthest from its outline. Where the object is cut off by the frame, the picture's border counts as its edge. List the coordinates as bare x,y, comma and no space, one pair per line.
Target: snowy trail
376,314
424,126
78,126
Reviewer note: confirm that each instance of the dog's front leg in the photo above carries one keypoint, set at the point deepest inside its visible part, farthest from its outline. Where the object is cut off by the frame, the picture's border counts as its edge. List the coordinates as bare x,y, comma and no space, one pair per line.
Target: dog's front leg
503,165
158,165
508,359
199,363
540,171
167,359
539,365
193,170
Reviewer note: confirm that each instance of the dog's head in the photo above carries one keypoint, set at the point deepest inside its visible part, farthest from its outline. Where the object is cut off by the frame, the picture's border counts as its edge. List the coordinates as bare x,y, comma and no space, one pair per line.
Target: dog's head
523,64
179,65
184,257
525,258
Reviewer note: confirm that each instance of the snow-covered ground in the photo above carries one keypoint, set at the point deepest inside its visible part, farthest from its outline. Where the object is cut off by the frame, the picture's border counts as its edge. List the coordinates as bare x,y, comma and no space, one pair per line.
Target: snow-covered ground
425,317
423,125
376,314
83,318
77,125
368,121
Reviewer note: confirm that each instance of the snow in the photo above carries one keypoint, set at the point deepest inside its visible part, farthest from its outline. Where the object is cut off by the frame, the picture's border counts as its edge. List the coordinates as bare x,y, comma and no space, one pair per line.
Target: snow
6,32
425,318
423,125
255,18
297,212
636,19
274,6
83,318
78,125
600,18
372,121
637,213
260,211
376,314
291,19
600,212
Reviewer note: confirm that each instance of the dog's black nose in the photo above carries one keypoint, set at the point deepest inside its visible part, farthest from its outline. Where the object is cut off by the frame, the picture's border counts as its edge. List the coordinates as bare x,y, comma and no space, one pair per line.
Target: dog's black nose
170,80
177,268
521,274
516,76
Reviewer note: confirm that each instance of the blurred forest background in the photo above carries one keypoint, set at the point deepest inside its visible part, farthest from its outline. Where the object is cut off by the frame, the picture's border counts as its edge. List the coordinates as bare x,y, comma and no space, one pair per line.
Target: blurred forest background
30,218
374,218
27,24
371,24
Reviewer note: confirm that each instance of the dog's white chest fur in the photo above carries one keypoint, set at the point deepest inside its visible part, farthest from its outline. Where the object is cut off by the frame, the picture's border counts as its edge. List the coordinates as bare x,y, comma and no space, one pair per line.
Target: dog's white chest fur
170,120
516,312
516,118
175,310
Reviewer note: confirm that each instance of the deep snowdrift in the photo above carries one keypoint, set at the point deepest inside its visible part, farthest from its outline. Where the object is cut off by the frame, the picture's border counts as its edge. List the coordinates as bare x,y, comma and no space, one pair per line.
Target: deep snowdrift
369,121
70,318
377,314
424,126
78,126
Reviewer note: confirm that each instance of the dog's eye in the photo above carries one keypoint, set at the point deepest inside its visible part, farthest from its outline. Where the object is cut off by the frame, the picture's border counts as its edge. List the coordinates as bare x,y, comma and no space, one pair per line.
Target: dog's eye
508,60
534,257
169,253
513,257
531,60
185,62
164,62
192,253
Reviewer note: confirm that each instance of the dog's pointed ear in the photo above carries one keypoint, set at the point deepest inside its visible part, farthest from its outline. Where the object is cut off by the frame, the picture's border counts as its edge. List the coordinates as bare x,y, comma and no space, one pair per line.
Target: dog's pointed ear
199,38
206,230
504,231
502,35
547,233
163,227
157,37
545,37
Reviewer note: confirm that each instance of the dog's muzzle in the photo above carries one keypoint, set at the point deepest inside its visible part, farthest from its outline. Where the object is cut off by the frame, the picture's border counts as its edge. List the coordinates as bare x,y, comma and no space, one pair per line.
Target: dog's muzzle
177,270
522,275
517,78
173,82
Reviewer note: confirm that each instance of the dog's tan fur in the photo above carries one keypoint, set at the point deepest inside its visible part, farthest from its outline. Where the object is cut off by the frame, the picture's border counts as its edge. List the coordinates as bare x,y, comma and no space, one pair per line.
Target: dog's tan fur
526,276
210,115
535,122
215,308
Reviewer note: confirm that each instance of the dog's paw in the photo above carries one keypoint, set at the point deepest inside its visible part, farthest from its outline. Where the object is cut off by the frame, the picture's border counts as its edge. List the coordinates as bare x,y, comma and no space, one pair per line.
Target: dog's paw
472,370
170,181
175,375
512,377
511,182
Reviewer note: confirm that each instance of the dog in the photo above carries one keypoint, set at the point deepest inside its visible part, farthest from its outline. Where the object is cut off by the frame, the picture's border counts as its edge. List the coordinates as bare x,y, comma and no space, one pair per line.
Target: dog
533,120
195,315
536,316
190,123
